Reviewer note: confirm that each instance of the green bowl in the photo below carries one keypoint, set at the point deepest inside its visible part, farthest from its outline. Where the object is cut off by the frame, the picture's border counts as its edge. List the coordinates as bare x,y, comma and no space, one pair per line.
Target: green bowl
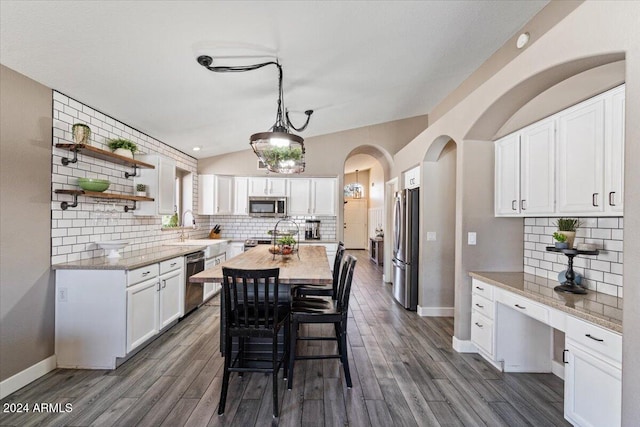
93,184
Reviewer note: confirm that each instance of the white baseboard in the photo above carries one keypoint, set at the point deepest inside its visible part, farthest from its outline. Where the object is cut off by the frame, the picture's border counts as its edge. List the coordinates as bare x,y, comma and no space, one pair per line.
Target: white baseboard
26,376
463,346
435,311
557,369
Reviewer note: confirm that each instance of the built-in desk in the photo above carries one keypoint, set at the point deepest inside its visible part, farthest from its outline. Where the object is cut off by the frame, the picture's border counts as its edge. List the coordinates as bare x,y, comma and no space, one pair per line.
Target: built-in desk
512,320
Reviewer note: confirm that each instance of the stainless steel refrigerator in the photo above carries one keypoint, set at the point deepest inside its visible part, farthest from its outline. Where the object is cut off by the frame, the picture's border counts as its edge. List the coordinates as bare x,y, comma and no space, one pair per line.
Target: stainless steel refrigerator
405,247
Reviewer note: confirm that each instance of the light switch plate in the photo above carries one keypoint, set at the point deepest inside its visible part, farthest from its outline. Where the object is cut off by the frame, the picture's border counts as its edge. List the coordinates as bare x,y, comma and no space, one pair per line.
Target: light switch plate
431,235
471,238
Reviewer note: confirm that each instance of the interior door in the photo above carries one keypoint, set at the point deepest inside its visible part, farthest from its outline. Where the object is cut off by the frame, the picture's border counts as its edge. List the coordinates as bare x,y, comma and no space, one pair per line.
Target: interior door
355,224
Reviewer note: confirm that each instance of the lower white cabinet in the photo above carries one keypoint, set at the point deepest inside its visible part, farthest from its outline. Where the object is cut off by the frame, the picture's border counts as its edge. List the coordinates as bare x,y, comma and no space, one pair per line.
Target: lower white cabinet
102,316
593,375
211,288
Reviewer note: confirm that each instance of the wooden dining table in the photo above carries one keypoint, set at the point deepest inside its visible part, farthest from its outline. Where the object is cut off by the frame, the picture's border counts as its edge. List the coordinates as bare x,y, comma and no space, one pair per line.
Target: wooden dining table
308,266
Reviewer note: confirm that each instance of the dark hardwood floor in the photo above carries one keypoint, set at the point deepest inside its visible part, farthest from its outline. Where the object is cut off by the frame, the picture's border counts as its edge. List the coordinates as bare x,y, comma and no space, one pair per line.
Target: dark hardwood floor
403,368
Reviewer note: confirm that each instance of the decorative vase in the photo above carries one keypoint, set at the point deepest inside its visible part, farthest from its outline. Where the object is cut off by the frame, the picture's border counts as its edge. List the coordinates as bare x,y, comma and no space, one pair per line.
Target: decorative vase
81,133
123,152
141,193
570,235
562,245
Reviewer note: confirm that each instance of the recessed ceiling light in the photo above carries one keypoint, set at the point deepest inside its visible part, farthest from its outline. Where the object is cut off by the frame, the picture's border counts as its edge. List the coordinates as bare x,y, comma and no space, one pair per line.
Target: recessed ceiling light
197,148
523,39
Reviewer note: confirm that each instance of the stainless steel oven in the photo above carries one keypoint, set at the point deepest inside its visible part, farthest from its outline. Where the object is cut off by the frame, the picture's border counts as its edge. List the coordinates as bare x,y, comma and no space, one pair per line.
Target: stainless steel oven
270,207
193,293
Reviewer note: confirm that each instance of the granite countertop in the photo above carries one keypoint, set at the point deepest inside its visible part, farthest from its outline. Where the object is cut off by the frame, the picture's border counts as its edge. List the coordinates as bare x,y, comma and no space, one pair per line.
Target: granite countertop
130,260
601,309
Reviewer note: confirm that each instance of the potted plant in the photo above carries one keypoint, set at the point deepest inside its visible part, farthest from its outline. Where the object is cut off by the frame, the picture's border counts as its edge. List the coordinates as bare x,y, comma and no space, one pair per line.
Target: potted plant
122,147
567,227
80,133
561,241
275,155
286,243
141,190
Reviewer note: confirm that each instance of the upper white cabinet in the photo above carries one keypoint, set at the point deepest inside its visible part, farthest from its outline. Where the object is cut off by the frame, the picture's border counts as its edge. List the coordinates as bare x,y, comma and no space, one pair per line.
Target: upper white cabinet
569,163
241,196
161,185
215,194
312,196
267,186
412,178
525,170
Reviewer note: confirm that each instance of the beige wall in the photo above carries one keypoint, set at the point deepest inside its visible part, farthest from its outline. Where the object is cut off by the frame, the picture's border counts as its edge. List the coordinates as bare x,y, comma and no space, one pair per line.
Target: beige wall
594,34
26,281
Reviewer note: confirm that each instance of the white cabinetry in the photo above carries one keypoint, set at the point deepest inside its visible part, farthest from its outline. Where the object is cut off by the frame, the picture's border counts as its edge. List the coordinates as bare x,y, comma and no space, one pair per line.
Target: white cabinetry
592,382
161,185
143,304
215,194
235,249
211,288
412,178
171,289
569,163
482,315
267,186
241,196
312,196
524,174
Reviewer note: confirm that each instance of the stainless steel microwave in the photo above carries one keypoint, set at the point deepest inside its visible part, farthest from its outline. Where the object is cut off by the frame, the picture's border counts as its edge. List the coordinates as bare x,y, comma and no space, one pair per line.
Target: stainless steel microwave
268,207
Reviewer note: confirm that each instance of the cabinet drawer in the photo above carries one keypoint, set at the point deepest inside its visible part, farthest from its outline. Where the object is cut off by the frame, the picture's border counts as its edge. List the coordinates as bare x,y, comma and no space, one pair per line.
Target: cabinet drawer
171,264
481,288
525,306
142,273
482,305
482,332
605,342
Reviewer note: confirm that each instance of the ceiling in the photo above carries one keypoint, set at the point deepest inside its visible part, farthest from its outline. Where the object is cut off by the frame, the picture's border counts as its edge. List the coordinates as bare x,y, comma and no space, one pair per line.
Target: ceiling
355,63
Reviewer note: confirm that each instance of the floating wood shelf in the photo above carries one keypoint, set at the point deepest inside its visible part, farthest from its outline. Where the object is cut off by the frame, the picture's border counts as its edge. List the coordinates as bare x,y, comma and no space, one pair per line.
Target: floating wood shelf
98,195
98,153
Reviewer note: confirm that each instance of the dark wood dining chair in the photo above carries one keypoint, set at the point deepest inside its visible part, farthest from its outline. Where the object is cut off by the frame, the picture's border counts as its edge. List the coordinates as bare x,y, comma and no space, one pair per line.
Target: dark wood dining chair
302,291
333,311
252,309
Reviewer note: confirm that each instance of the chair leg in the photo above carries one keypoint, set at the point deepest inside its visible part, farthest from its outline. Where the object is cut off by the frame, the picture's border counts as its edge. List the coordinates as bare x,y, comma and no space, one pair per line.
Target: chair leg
225,375
336,327
285,348
241,354
292,352
343,357
274,366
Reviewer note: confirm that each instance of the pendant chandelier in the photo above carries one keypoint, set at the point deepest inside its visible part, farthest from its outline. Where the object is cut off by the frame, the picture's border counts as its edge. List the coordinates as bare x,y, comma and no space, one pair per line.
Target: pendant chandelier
279,149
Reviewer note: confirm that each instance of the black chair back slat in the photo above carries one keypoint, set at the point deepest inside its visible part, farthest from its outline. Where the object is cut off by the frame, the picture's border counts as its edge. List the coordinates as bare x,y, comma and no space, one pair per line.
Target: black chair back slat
336,269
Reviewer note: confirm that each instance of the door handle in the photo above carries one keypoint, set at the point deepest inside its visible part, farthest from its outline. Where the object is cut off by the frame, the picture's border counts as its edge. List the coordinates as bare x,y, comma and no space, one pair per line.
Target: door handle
523,205
513,205
158,287
594,199
563,358
164,284
611,201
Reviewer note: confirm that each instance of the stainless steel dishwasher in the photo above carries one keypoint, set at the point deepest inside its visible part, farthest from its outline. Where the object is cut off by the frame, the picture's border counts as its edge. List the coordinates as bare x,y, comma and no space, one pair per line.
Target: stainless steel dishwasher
193,292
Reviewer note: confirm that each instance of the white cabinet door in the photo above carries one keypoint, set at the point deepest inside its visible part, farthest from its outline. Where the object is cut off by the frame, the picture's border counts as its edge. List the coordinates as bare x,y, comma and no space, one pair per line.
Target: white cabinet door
241,196
258,187
507,176
223,195
235,249
592,389
324,196
161,185
581,158
299,202
170,302
142,312
537,168
277,187
614,155
205,194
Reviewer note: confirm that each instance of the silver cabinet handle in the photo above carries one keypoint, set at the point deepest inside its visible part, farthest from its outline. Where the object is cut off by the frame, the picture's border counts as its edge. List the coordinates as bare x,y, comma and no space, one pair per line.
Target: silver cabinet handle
514,205
594,199
563,358
158,287
480,306
520,307
523,205
593,338
479,325
164,284
611,197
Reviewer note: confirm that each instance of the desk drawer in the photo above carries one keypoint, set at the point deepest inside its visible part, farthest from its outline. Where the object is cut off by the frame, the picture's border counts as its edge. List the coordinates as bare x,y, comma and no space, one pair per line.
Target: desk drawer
603,341
525,306
482,332
481,288
482,305
171,264
142,273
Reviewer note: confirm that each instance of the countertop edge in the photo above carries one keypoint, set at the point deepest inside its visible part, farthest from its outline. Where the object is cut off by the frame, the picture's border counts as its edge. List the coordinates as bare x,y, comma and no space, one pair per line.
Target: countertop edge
615,327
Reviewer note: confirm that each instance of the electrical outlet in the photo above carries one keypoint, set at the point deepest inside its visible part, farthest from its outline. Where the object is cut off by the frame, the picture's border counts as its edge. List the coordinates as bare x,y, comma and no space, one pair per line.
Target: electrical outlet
471,238
62,295
431,235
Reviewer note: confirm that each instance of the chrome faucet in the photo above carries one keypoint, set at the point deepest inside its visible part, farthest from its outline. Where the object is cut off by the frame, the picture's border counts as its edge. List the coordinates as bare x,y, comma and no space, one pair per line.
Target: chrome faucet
193,221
